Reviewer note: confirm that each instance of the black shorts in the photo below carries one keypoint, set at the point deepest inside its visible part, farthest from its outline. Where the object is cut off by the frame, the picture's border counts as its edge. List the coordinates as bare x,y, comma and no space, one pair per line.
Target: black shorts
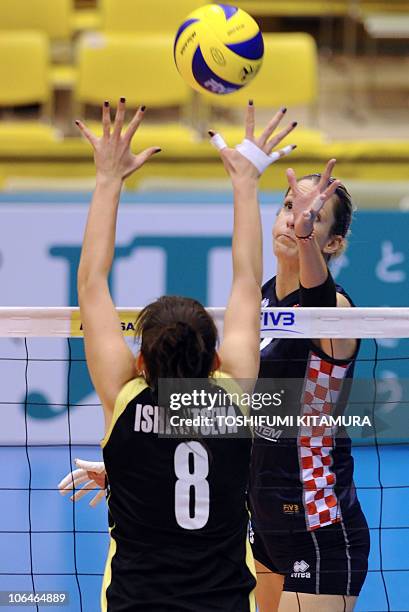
331,560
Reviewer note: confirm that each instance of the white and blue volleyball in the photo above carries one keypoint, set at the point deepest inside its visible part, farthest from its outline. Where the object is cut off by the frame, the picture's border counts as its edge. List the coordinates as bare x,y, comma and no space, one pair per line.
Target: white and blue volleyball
218,49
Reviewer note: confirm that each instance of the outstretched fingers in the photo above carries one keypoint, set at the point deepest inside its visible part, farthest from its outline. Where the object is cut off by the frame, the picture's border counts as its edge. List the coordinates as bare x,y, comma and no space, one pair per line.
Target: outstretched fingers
220,144
326,175
324,197
106,120
250,120
89,486
74,484
143,157
280,136
271,126
95,500
90,466
331,189
134,123
217,140
282,152
292,180
119,118
87,133
69,479
316,206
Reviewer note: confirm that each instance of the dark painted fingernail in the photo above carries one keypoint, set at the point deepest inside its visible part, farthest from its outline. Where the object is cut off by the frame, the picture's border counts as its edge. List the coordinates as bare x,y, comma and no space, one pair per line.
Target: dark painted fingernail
251,102
211,133
158,150
294,147
284,110
294,123
106,103
143,107
122,100
77,122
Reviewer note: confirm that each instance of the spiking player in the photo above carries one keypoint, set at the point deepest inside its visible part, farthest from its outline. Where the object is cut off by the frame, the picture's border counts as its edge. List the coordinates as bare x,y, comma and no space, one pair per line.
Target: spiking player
311,540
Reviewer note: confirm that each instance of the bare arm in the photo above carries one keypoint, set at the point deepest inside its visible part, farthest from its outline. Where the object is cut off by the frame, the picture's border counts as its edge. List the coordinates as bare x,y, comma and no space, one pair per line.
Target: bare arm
240,350
109,359
313,272
313,267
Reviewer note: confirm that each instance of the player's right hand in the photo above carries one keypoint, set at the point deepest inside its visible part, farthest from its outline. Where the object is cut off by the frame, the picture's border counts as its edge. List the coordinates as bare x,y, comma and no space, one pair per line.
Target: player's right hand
307,205
114,159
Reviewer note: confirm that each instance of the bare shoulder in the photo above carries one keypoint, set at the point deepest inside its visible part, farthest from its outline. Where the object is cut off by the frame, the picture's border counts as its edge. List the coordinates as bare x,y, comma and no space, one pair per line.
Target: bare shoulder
342,301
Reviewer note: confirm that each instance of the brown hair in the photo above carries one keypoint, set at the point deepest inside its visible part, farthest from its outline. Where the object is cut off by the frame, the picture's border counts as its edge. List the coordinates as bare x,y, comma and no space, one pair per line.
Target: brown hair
178,339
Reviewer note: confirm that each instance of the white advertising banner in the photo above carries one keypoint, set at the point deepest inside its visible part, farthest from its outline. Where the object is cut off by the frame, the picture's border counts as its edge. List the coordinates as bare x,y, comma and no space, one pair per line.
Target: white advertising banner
161,248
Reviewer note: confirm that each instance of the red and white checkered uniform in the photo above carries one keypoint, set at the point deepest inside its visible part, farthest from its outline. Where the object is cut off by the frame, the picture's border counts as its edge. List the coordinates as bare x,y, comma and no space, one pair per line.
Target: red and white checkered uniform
323,385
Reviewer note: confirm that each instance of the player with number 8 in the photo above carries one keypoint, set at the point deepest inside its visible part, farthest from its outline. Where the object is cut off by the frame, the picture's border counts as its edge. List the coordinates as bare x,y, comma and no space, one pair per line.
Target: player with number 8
177,508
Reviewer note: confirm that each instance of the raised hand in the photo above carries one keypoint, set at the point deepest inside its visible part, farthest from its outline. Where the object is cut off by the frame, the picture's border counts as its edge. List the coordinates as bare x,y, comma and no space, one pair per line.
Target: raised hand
249,159
306,206
112,151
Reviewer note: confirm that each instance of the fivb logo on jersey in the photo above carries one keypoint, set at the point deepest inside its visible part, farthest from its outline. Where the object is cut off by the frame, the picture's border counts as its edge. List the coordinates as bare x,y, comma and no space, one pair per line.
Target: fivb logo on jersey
276,319
289,321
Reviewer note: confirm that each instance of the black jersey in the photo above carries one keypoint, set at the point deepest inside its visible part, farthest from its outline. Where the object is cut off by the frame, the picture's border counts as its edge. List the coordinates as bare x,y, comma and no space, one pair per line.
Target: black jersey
177,514
304,481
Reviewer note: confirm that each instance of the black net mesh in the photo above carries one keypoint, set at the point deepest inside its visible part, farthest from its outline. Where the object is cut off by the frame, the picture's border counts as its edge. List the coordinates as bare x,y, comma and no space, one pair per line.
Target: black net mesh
51,416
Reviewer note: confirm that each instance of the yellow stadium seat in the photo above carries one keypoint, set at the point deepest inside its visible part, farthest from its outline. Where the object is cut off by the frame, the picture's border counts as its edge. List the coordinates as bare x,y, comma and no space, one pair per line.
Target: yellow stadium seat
86,19
295,8
142,16
288,77
288,74
54,17
24,72
24,68
141,69
368,7
31,133
72,158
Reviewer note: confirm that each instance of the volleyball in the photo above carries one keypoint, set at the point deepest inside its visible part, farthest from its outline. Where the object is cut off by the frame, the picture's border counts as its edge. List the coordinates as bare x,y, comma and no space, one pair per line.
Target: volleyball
218,49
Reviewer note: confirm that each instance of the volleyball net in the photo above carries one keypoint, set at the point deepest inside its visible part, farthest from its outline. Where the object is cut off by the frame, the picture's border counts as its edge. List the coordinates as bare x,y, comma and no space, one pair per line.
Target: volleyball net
51,415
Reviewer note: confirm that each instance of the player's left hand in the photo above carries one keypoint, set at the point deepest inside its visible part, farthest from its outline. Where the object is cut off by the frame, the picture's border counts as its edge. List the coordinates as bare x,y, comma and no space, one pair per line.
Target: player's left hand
306,206
112,152
92,473
250,158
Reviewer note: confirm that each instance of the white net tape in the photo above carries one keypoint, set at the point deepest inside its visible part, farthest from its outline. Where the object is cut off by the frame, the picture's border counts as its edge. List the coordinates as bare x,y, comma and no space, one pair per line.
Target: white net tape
281,322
